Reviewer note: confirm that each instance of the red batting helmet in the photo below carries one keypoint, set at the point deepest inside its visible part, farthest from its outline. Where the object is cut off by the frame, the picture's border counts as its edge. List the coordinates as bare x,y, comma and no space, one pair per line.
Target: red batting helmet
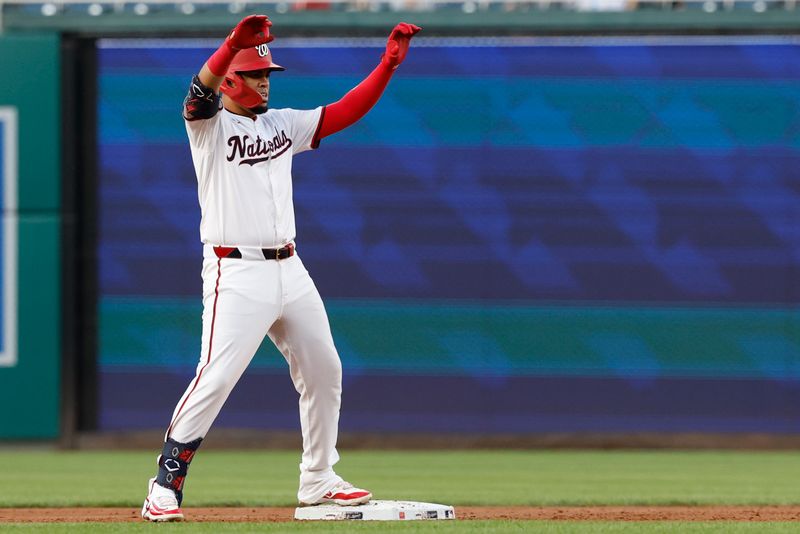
255,58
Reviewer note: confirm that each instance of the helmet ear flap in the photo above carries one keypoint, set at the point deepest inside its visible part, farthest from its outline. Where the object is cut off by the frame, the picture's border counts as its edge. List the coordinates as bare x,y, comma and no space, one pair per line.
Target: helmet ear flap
237,90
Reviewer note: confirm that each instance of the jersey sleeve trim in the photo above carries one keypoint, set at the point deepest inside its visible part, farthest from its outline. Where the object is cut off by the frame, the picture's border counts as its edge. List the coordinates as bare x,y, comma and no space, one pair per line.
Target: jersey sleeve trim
315,141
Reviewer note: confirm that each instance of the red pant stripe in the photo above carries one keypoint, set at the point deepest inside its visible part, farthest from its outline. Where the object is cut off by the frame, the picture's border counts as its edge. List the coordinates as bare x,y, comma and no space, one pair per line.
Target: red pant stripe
210,345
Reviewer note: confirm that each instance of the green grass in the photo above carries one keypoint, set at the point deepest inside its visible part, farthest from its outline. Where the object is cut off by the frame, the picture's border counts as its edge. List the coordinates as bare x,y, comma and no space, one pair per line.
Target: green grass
269,478
460,527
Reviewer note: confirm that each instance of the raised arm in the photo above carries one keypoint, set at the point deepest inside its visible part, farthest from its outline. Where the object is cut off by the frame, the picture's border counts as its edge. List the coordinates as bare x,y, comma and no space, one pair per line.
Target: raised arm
251,31
202,100
359,100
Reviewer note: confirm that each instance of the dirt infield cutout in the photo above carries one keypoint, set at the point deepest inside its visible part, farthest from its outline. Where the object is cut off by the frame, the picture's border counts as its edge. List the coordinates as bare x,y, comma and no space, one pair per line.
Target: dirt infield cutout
567,513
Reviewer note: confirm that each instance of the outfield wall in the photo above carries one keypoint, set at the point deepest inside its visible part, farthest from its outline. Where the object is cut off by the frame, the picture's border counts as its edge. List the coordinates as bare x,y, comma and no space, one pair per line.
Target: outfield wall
30,159
589,235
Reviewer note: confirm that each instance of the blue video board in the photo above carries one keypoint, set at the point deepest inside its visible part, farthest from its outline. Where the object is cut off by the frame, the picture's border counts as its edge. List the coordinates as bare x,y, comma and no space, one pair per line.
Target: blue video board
595,234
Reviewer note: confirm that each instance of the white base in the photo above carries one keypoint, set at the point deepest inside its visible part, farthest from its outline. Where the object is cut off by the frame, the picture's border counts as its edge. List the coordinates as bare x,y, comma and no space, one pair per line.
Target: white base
376,511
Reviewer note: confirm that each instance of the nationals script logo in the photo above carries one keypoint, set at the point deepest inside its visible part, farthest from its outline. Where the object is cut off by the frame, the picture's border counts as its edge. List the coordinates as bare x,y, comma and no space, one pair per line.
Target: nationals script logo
251,151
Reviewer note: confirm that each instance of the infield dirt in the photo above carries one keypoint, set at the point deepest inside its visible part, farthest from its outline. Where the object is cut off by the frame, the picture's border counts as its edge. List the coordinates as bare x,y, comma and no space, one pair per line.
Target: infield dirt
569,513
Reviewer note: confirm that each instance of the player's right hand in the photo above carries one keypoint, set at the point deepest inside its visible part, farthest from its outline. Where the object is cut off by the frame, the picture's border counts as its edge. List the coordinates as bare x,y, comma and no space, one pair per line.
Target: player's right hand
251,31
398,43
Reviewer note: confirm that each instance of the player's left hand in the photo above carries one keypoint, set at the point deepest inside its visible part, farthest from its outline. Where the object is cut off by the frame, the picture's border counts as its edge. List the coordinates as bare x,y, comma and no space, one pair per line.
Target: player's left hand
398,43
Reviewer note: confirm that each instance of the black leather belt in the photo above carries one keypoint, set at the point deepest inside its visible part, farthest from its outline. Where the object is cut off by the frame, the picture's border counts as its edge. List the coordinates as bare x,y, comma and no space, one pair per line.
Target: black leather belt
268,253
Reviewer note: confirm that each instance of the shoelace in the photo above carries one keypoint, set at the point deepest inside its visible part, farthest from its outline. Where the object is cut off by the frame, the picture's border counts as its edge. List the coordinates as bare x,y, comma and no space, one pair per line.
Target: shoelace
165,502
340,487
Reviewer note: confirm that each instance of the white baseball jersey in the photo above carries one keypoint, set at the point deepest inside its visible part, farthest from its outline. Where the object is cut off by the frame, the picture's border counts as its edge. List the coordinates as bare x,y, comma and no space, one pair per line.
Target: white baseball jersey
244,174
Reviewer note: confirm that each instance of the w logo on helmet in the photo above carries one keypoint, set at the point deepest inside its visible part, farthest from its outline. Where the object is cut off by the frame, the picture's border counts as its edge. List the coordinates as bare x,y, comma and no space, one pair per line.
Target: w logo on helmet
263,50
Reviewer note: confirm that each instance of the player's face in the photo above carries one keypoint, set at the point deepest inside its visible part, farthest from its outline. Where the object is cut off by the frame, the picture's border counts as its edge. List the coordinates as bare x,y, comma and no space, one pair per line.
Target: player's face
258,80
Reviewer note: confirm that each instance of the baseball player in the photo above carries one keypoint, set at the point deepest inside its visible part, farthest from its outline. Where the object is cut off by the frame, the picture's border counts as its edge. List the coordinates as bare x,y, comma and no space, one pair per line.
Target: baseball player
254,283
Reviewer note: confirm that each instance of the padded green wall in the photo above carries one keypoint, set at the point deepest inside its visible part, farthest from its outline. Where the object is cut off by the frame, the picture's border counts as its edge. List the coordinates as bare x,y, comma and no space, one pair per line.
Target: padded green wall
30,390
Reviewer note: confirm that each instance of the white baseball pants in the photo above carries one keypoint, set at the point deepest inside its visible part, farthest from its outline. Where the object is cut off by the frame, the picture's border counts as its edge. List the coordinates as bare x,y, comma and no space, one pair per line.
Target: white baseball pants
244,300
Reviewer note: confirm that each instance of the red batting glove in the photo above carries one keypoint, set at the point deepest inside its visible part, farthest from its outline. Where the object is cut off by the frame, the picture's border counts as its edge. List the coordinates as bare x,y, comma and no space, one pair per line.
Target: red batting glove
251,31
398,43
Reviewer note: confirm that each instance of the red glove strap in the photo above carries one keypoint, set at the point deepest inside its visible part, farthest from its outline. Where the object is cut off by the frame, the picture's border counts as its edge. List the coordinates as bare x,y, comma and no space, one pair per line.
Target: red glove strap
355,104
220,60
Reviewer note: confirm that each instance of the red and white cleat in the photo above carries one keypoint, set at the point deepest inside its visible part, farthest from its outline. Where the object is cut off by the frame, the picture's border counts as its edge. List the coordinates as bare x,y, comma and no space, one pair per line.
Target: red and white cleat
345,494
161,504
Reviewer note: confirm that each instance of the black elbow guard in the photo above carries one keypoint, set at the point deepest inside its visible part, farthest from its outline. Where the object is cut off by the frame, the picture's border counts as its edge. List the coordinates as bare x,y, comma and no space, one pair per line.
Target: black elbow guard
201,102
